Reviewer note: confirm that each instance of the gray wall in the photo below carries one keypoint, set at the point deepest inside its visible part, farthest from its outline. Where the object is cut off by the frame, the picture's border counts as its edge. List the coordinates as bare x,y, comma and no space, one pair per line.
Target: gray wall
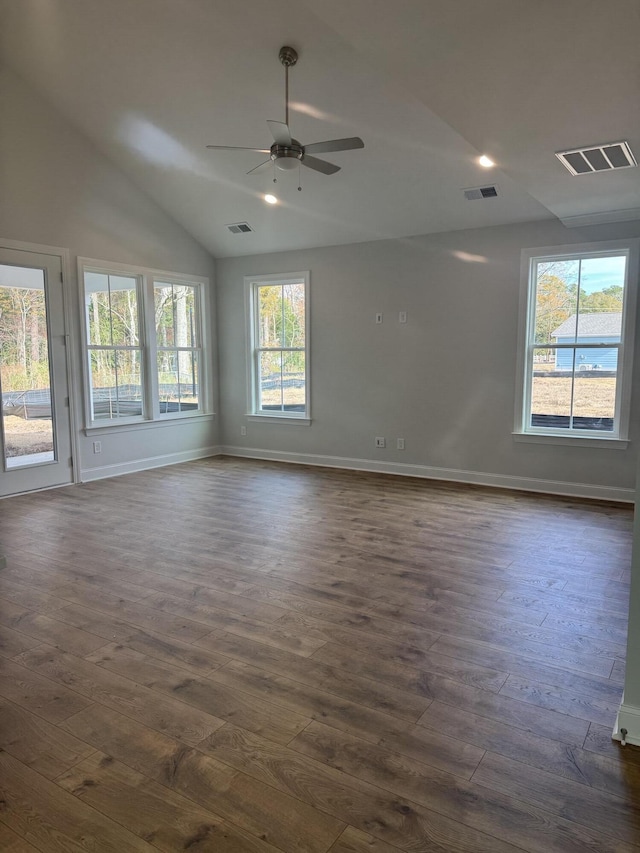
445,381
56,189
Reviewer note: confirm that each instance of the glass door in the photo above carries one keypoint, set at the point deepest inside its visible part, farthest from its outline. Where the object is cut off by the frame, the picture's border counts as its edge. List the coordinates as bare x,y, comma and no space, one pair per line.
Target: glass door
35,438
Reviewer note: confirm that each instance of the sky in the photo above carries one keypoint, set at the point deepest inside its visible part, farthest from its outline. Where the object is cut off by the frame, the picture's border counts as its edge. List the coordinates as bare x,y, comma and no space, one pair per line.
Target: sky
595,273
598,273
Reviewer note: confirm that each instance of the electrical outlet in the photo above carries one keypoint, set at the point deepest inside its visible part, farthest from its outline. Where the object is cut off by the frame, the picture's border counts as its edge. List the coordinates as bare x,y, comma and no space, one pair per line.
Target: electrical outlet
378,319
402,317
400,444
380,441
97,447
243,430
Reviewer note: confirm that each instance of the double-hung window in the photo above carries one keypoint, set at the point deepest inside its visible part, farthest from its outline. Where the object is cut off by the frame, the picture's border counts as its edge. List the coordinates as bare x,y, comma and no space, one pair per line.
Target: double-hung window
143,344
278,334
578,333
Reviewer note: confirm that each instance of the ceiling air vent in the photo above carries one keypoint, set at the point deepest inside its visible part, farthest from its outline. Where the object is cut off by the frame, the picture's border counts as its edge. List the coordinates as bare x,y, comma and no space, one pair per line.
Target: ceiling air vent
480,192
240,228
597,158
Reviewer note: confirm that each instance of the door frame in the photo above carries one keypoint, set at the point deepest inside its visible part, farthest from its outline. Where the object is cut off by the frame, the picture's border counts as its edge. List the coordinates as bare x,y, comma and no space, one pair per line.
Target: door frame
68,292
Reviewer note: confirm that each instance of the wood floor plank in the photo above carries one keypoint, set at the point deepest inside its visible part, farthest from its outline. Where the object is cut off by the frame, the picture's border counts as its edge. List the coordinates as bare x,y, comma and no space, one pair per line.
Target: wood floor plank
407,677
364,691
13,643
511,712
503,816
599,741
354,841
160,646
356,594
273,721
608,627
357,620
153,812
613,816
41,696
12,843
618,671
44,629
569,762
43,747
167,715
53,820
244,626
26,596
528,667
352,800
559,601
367,641
142,616
185,583
232,604
557,699
581,654
270,815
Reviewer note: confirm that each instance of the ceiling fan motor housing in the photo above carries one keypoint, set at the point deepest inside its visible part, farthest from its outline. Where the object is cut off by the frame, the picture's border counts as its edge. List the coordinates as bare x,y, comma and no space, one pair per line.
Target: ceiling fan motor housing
287,157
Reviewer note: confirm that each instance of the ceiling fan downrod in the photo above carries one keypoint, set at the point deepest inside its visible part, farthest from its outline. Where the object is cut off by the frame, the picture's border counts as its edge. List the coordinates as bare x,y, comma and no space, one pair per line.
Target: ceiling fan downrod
288,56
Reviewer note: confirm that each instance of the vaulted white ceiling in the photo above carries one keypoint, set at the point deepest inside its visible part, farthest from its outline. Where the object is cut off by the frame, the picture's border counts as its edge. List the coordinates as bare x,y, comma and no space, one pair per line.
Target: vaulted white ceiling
429,85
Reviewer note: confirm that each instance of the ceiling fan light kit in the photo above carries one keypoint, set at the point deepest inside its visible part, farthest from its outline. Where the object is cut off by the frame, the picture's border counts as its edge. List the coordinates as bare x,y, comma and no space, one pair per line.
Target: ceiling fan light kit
288,153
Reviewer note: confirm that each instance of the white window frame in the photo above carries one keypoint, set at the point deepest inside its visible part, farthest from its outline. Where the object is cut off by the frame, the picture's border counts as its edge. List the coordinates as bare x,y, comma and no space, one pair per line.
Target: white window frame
146,279
618,438
251,285
197,347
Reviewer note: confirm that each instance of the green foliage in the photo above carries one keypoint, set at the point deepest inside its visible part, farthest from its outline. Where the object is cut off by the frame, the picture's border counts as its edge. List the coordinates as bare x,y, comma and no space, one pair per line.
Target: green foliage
557,299
23,339
281,309
555,302
607,299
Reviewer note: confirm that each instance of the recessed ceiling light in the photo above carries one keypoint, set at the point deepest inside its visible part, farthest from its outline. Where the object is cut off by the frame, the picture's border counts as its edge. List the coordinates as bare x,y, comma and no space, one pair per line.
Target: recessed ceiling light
270,199
485,161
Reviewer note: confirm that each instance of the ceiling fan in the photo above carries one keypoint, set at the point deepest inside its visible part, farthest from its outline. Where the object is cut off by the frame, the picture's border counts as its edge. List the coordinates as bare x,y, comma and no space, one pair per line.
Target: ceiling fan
286,152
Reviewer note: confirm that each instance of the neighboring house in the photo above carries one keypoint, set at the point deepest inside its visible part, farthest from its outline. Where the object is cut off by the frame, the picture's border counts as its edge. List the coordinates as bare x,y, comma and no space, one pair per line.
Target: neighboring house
601,328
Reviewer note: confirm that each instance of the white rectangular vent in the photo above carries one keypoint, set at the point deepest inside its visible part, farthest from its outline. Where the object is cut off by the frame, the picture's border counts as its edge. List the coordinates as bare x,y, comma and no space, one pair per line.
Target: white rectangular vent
240,228
480,192
597,158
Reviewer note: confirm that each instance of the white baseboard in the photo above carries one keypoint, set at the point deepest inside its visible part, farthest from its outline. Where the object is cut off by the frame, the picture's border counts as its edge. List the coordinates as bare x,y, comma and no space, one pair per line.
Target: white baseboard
502,481
628,718
90,474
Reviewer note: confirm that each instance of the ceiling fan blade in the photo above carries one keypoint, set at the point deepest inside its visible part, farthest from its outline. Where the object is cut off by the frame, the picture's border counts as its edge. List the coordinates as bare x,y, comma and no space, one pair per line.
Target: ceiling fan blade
334,145
280,132
319,165
239,148
259,167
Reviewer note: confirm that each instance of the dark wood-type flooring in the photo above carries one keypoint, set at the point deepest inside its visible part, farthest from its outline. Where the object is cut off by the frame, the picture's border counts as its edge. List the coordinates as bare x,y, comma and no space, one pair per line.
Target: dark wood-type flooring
231,655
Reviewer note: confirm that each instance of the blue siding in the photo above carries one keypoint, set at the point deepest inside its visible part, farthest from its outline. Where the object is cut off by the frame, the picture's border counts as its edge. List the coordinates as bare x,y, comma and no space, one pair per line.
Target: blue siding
605,359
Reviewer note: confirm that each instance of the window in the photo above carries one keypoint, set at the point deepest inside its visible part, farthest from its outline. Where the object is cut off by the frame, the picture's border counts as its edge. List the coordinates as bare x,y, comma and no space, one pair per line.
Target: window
177,345
114,349
143,337
278,335
577,357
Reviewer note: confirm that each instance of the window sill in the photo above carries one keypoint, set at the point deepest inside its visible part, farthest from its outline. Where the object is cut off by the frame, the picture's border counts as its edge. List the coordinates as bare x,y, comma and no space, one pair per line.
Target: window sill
571,440
281,419
134,426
